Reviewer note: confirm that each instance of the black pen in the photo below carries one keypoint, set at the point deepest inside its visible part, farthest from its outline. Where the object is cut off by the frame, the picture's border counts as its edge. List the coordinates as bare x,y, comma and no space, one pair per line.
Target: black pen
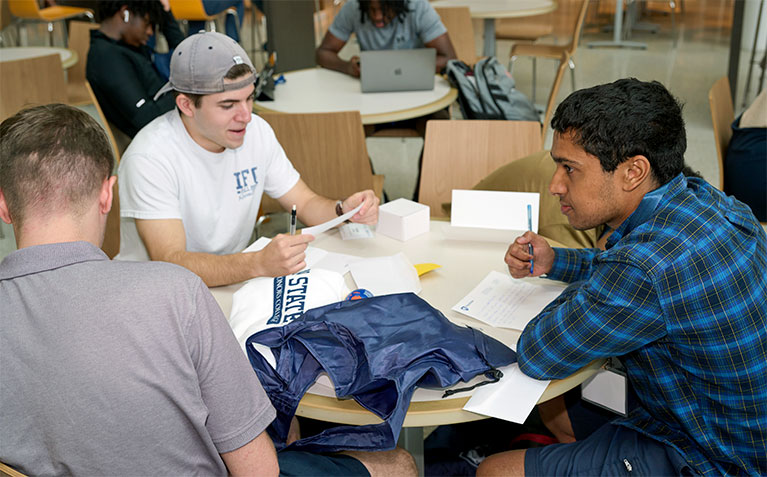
293,220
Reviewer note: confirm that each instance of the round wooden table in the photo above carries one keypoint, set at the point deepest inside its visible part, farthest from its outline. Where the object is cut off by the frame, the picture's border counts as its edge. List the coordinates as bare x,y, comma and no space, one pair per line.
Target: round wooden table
69,57
490,10
318,90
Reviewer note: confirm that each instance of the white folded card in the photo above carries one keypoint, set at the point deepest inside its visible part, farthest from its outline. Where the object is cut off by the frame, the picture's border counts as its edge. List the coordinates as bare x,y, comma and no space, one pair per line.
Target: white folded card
494,209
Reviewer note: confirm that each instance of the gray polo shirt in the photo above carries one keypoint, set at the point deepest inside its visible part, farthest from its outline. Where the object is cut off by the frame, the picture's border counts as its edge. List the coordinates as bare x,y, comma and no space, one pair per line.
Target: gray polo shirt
420,26
118,368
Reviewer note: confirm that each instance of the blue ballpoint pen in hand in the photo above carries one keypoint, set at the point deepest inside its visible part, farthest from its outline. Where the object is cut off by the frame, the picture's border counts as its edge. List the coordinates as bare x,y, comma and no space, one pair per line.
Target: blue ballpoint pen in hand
530,228
293,220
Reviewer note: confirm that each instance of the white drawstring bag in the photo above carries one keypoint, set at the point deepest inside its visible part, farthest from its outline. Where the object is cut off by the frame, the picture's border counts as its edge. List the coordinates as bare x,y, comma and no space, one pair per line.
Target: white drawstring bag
268,302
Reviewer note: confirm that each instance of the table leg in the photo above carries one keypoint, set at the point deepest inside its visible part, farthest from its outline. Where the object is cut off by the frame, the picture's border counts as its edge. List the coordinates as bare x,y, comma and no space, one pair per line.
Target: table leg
411,439
618,33
489,37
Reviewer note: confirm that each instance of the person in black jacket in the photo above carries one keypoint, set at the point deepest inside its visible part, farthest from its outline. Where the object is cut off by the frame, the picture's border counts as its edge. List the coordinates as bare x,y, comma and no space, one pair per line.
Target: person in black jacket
120,67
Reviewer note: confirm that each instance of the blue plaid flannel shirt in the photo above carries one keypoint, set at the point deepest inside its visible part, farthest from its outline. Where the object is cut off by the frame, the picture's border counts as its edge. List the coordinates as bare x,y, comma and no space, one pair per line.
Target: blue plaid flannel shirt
680,295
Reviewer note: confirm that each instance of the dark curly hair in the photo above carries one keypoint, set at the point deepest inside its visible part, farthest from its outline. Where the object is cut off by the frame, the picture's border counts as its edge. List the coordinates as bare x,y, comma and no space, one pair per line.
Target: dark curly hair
616,121
396,8
153,8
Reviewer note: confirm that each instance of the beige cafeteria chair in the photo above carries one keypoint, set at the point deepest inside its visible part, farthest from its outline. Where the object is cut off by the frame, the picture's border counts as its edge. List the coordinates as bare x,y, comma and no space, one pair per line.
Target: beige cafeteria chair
565,53
457,20
111,244
29,82
8,471
722,116
459,153
328,150
80,42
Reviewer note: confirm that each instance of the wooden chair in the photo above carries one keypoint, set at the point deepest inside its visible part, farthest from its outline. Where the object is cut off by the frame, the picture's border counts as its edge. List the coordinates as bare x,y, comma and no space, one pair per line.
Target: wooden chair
556,52
194,10
457,20
459,153
28,11
30,82
6,470
111,244
722,116
528,29
80,42
328,150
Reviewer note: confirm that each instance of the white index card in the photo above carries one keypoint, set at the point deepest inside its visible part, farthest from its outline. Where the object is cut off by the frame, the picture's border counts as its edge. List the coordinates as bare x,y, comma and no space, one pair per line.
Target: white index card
494,209
511,399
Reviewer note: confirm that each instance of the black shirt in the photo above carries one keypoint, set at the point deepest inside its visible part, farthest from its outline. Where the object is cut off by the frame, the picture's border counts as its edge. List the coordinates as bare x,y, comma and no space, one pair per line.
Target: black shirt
125,80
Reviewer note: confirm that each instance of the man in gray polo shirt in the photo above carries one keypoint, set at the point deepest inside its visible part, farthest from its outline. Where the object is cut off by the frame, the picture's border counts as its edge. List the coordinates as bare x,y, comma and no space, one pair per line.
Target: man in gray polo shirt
117,368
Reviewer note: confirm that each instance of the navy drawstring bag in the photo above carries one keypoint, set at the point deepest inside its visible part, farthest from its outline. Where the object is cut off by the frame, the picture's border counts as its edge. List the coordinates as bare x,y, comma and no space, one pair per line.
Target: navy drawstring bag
376,351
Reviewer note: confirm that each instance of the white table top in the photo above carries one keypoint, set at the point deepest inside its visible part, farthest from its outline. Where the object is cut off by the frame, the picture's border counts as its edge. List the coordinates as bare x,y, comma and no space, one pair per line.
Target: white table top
318,90
464,265
68,57
501,8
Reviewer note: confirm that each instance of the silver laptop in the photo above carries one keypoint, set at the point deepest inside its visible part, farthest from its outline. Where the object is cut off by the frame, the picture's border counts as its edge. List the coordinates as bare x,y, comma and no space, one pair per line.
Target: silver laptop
397,70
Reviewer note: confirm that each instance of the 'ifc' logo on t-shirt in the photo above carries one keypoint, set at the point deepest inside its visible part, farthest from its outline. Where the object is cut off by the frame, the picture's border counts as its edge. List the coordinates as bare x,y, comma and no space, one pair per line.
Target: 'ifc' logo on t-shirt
246,182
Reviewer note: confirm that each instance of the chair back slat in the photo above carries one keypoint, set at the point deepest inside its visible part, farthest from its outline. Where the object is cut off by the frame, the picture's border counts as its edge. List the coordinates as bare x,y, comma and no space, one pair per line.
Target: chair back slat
458,154
29,82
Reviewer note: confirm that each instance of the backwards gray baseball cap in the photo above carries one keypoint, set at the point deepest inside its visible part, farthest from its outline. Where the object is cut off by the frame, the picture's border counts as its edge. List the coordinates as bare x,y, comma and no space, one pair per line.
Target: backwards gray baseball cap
201,61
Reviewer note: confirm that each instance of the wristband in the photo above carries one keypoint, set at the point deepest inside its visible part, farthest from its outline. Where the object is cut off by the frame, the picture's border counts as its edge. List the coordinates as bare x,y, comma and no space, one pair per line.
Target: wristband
340,208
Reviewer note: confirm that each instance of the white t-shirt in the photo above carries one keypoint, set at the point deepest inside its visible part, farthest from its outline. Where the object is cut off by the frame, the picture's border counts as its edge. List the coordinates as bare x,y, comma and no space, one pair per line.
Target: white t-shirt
165,174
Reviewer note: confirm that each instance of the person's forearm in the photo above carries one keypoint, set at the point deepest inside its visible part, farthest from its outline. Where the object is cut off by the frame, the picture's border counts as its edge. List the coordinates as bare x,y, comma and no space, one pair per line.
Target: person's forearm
317,210
441,63
330,60
217,270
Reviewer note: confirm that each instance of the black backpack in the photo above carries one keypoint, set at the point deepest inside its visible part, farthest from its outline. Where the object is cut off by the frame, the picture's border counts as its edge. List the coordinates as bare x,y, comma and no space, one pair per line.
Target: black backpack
487,92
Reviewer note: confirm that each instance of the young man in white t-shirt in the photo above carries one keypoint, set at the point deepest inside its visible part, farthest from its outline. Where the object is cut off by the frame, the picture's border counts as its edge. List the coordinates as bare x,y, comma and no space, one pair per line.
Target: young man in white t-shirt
191,180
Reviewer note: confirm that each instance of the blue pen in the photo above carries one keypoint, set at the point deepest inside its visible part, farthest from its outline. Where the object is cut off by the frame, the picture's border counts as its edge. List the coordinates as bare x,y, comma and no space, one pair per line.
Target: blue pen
530,228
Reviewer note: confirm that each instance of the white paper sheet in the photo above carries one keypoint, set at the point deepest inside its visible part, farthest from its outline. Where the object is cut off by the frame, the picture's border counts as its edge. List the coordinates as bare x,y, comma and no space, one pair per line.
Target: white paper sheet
353,231
318,229
337,262
504,302
386,275
494,209
313,254
510,399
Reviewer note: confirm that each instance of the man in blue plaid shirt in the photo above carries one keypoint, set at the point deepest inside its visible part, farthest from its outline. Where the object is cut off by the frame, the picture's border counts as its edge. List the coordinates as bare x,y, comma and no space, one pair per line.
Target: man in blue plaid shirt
679,295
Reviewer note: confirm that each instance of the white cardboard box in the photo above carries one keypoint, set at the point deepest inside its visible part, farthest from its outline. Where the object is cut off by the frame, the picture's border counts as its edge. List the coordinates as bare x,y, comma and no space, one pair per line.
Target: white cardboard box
403,219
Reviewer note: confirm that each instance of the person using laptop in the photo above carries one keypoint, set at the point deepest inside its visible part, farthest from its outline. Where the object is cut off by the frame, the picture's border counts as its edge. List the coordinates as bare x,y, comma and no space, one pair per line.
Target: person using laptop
192,179
119,368
677,295
384,25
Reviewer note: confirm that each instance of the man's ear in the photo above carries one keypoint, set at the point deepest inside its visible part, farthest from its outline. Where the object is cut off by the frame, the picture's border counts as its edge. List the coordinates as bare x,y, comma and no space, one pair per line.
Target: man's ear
106,195
185,104
5,214
637,171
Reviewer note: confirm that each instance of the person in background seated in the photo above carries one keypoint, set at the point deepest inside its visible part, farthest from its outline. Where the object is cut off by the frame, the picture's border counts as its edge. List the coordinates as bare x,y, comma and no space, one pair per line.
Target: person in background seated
677,296
215,7
120,66
192,179
119,368
745,166
384,25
